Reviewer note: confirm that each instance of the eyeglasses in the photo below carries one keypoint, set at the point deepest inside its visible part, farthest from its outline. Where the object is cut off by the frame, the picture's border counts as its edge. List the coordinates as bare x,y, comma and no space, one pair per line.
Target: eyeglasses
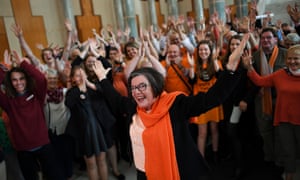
140,87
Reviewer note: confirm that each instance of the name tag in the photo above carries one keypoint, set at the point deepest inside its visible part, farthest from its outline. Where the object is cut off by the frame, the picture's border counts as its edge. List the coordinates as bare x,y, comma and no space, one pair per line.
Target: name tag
29,97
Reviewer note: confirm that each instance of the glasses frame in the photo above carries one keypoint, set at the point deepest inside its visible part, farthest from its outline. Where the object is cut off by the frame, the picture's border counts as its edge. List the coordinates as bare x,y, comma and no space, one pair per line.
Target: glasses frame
140,87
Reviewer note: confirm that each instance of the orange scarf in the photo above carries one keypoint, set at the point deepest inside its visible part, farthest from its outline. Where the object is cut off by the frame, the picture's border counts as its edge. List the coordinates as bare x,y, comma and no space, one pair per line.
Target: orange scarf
160,155
265,70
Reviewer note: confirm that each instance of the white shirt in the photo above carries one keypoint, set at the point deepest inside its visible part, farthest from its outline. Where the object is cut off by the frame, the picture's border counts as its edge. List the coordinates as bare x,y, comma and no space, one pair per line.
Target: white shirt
136,131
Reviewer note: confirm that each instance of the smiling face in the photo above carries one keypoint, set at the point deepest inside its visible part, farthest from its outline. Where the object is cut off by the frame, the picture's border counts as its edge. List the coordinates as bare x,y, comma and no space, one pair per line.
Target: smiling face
141,92
48,56
131,52
293,60
18,82
174,53
52,81
204,51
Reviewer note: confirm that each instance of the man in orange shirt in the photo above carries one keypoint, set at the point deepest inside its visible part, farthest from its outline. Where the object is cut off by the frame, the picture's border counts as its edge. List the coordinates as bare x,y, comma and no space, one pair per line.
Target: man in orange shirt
177,78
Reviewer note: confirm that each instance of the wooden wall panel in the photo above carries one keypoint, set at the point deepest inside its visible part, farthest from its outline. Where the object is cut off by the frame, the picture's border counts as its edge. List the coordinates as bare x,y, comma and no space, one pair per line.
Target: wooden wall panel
160,17
205,14
233,11
3,39
87,21
33,26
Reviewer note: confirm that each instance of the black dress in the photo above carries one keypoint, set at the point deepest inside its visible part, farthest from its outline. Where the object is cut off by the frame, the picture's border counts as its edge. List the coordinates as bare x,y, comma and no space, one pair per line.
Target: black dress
90,121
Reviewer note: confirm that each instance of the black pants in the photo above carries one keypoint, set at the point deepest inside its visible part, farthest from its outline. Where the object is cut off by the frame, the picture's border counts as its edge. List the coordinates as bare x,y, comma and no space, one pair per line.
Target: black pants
141,175
44,158
63,146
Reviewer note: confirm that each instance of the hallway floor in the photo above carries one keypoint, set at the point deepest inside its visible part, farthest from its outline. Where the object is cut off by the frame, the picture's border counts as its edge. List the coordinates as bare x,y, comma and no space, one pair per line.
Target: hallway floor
223,171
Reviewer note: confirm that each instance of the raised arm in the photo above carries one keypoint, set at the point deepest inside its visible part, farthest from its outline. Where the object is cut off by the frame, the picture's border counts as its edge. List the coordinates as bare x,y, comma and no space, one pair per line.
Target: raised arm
147,40
68,43
99,38
185,41
37,75
17,29
295,16
265,81
154,61
234,58
132,64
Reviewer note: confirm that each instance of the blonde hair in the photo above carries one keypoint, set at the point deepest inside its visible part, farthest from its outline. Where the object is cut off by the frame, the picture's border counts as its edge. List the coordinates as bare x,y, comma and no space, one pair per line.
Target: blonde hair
295,49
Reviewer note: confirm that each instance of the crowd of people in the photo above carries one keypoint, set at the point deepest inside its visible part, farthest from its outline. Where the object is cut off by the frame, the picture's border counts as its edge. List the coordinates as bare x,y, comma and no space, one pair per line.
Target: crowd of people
157,101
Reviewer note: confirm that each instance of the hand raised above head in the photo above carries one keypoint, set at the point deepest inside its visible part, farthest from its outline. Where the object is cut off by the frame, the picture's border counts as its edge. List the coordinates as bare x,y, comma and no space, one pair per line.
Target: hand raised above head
68,25
16,59
234,58
247,59
100,71
191,60
7,58
17,29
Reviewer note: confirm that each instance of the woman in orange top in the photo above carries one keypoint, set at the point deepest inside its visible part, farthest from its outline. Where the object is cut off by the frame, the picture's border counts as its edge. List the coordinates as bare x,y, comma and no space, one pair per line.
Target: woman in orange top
204,78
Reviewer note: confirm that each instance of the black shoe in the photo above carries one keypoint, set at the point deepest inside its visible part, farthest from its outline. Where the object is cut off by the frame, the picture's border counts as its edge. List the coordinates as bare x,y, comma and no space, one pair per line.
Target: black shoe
120,176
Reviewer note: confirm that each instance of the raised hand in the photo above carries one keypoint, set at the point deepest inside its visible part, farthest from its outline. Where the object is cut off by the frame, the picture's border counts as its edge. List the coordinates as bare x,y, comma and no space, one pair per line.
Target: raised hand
247,59
68,25
235,56
245,24
228,10
294,13
100,71
127,31
16,59
191,60
7,58
39,46
17,29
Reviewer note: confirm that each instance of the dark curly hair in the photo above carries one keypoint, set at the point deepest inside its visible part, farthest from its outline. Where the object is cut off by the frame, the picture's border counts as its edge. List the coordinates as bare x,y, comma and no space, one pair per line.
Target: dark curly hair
9,89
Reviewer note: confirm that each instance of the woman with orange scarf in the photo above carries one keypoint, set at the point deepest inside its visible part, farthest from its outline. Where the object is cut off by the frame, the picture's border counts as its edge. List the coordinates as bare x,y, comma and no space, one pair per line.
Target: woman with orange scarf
161,142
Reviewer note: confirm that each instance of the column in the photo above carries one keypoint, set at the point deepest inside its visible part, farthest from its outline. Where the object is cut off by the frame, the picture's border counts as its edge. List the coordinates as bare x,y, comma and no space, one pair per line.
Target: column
153,16
198,4
173,8
219,6
67,5
241,8
130,17
261,7
119,14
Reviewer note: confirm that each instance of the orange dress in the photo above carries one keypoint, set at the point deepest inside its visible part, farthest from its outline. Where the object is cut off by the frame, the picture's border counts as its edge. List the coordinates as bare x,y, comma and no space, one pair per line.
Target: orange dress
215,114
